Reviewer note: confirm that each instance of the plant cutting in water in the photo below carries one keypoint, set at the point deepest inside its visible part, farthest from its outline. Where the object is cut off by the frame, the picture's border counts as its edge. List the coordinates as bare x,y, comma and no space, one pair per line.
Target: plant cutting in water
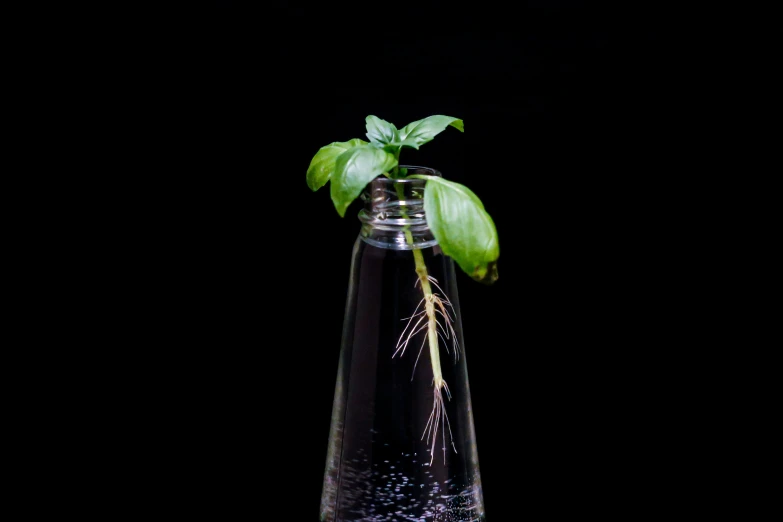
456,217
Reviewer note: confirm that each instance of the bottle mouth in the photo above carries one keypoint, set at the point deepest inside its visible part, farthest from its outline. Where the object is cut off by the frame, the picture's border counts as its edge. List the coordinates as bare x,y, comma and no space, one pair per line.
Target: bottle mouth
394,203
393,214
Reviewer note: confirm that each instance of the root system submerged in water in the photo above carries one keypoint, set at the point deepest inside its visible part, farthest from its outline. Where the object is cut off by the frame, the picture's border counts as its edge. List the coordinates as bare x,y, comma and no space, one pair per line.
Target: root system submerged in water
436,321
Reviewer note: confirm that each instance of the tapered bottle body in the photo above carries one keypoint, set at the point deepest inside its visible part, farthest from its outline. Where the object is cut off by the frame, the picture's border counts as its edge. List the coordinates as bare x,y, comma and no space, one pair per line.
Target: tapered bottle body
402,445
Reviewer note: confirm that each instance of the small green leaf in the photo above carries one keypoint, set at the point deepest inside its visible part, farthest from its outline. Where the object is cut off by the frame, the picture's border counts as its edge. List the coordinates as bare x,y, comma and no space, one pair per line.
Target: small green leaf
423,131
322,165
381,131
464,230
355,168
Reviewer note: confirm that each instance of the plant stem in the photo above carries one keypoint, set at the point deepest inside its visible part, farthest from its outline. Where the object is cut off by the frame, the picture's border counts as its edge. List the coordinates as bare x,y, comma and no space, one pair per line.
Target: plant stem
429,302
432,332
395,173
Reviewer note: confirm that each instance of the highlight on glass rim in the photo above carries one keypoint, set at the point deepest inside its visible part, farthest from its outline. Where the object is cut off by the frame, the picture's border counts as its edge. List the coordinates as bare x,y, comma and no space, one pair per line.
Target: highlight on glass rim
461,230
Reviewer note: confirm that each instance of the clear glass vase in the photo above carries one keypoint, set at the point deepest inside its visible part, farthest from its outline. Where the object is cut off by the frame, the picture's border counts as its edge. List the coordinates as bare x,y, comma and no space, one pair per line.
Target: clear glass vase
402,445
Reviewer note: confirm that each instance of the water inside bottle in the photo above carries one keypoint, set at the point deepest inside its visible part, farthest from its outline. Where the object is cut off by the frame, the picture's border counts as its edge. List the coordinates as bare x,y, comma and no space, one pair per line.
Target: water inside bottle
381,465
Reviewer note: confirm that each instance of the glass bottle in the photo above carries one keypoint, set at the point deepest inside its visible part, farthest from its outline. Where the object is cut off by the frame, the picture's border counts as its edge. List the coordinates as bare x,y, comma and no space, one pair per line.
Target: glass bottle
402,446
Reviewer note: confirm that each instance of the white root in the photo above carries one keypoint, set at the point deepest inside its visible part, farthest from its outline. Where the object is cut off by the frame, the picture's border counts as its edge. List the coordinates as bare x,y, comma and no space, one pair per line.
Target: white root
436,321
438,419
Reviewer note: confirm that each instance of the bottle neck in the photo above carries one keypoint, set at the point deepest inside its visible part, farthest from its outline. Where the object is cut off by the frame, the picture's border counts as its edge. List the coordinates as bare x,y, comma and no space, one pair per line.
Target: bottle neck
393,216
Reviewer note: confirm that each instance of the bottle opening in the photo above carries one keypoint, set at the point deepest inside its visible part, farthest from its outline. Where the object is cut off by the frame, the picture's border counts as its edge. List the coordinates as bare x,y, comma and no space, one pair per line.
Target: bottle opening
394,209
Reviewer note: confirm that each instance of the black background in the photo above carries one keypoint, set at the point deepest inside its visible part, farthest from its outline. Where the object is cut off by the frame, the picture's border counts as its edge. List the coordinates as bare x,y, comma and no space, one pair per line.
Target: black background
565,105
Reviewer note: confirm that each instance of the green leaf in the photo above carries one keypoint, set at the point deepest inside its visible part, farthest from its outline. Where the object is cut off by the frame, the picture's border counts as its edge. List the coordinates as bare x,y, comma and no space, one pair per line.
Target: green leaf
355,168
423,131
464,230
322,165
381,131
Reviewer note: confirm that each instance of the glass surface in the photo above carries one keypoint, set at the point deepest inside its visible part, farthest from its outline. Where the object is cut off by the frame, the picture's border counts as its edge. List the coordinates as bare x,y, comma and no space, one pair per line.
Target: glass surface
402,445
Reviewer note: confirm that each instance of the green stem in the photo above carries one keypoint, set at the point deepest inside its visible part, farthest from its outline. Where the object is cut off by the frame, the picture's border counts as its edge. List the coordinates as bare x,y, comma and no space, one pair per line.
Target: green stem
395,173
432,331
429,303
